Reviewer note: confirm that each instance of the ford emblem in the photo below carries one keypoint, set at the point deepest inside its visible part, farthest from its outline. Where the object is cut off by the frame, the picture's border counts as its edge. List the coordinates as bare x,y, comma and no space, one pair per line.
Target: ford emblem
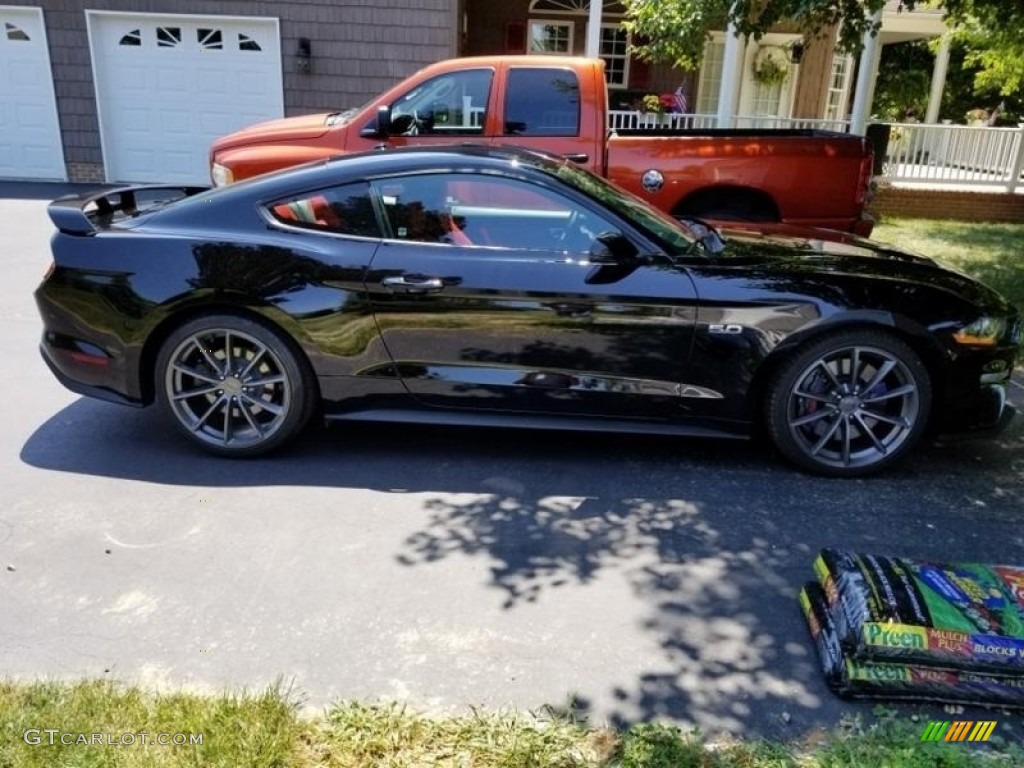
652,180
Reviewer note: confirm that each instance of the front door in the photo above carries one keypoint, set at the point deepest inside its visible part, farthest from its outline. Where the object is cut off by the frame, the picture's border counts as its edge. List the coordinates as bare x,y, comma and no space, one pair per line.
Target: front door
485,299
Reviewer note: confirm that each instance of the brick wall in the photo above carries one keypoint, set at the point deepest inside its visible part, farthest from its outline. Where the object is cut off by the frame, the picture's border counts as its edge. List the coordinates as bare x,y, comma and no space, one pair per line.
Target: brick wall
360,48
943,204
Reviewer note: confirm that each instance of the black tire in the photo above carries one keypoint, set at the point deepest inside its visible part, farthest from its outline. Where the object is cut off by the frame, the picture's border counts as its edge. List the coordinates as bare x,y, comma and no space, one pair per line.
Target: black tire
233,386
849,404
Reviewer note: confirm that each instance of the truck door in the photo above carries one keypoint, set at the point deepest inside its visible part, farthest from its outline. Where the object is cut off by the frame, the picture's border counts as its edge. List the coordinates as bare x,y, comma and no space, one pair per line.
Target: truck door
545,108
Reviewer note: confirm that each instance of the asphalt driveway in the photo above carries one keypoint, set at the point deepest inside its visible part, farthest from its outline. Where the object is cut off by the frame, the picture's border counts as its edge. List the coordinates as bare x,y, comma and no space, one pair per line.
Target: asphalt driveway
640,578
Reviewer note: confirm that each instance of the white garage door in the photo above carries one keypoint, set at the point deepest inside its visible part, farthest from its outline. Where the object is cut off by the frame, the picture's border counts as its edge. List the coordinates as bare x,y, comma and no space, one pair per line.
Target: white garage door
168,85
30,145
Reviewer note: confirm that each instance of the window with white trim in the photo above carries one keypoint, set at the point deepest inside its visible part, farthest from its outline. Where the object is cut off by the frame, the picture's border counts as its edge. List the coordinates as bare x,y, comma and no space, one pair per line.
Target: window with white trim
614,50
839,87
554,37
561,6
711,76
767,99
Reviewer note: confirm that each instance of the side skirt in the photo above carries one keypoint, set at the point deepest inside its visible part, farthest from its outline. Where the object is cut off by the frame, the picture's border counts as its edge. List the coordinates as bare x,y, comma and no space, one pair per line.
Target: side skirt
733,430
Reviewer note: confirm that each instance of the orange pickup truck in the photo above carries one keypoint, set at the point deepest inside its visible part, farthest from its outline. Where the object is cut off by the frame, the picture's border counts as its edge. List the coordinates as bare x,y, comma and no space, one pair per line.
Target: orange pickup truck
560,105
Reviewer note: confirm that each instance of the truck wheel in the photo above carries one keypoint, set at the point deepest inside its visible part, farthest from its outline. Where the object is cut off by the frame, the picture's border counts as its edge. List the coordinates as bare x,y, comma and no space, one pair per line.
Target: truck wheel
849,404
232,386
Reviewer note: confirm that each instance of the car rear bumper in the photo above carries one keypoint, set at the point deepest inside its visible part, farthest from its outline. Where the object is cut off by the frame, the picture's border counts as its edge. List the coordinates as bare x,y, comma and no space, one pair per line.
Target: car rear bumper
83,371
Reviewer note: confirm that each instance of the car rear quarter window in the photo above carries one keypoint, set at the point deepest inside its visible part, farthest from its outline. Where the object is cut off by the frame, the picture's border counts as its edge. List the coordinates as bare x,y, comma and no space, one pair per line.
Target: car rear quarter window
346,210
542,102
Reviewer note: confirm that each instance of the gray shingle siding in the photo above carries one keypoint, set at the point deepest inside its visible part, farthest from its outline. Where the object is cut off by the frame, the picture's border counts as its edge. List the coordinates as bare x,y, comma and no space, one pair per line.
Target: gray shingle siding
360,48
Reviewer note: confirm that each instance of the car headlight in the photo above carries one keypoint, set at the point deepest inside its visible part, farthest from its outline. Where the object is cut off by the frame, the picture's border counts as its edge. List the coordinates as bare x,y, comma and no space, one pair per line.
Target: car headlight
983,332
221,175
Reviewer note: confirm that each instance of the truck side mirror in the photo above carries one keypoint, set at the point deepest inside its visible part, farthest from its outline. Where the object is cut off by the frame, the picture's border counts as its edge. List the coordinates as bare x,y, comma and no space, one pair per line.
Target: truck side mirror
379,127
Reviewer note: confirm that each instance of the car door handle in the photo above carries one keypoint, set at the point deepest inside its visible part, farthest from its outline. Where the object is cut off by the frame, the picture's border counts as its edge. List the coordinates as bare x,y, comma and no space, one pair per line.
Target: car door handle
579,157
416,284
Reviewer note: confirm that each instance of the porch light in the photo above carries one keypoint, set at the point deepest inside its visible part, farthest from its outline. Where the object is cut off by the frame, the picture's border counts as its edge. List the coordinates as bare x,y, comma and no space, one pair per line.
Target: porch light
796,51
304,55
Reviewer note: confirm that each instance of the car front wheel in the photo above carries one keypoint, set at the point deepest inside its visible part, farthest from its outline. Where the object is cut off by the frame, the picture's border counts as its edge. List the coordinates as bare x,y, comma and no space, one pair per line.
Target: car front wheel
849,404
233,386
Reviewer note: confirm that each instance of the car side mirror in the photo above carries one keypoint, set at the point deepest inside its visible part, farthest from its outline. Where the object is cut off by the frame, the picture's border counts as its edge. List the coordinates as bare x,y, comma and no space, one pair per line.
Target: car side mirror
612,248
379,128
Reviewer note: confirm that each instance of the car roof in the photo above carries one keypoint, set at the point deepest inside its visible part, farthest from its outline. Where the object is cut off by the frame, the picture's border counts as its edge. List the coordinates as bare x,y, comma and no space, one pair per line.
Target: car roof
464,156
341,169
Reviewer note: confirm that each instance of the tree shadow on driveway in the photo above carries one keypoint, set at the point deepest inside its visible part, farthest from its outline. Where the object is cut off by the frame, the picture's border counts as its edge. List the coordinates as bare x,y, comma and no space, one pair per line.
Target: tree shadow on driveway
708,541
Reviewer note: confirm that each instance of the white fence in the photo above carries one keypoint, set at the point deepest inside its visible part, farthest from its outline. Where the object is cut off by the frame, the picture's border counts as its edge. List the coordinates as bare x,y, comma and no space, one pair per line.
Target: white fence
955,154
621,119
930,154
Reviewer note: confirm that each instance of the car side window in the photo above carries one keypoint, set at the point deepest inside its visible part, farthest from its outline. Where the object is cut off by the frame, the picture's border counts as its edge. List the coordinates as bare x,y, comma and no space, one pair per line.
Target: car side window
487,211
542,102
453,104
346,210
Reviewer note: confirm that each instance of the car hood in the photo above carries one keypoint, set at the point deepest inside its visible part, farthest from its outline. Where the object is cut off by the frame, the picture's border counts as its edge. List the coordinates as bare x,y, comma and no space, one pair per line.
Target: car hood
814,243
838,253
284,129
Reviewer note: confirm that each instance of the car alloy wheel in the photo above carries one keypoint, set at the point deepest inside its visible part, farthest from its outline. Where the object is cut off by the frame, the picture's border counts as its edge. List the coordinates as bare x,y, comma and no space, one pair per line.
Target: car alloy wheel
233,386
850,404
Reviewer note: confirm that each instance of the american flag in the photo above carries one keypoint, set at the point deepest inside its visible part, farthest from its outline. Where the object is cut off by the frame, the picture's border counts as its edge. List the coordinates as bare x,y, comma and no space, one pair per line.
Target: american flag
681,103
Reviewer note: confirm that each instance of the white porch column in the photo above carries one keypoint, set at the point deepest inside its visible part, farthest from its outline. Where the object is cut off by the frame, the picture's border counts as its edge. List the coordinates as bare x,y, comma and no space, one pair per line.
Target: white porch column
594,29
938,80
867,71
732,76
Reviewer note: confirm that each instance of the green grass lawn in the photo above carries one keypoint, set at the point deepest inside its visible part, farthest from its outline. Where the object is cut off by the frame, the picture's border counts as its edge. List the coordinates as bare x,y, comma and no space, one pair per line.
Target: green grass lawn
991,253
267,730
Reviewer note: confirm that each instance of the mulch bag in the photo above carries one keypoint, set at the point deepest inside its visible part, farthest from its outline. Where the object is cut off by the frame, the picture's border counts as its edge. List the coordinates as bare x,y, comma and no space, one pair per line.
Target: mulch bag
960,616
851,677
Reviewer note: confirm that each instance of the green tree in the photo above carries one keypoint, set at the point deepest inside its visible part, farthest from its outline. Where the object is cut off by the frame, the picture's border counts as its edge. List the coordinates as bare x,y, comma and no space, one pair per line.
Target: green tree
676,30
904,80
991,35
988,41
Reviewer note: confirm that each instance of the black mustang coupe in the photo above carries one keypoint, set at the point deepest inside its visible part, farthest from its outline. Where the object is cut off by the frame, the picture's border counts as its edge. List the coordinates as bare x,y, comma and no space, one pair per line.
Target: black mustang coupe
473,285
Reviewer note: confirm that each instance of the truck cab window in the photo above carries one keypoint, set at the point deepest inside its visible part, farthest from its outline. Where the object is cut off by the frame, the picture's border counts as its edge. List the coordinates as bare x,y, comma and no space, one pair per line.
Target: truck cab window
542,102
453,104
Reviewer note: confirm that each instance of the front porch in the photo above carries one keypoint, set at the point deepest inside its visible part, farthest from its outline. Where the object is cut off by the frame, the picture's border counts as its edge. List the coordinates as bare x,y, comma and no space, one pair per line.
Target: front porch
782,75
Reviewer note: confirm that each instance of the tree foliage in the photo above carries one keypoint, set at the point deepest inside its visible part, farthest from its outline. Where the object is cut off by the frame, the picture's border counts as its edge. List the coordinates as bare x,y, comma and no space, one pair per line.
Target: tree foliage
675,30
904,80
990,32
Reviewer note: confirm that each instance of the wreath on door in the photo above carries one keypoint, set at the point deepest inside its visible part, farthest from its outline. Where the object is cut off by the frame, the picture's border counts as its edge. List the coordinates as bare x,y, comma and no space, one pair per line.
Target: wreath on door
771,65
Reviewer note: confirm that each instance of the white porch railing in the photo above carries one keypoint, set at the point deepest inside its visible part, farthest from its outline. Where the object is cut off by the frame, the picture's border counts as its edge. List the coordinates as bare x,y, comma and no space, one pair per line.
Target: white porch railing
917,152
955,154
623,119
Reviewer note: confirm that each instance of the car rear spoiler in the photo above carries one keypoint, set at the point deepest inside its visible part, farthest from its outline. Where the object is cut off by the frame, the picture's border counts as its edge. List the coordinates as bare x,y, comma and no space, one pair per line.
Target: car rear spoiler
84,214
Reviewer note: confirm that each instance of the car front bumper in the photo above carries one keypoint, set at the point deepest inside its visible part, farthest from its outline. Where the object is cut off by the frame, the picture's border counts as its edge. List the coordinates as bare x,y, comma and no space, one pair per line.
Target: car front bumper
986,414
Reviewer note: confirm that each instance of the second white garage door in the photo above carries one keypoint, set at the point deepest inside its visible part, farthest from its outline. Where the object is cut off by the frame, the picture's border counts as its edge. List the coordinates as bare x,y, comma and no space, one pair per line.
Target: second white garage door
168,85
30,145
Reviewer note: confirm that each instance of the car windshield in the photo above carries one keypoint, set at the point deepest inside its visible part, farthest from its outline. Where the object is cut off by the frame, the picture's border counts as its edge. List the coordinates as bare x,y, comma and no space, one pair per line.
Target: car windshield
665,229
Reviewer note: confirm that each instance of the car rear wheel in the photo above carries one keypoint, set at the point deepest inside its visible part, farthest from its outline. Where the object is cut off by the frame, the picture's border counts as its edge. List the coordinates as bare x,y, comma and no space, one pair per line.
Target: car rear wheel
233,386
850,404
